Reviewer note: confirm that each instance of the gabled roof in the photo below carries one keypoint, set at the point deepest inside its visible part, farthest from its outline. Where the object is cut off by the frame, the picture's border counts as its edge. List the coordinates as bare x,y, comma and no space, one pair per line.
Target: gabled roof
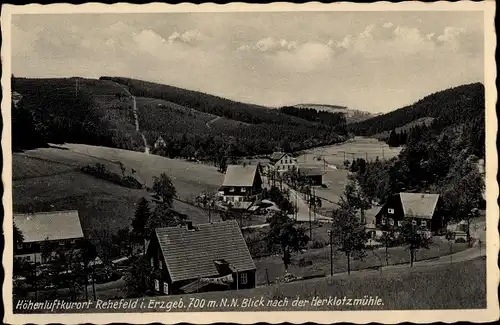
421,205
190,254
310,171
57,225
277,156
239,175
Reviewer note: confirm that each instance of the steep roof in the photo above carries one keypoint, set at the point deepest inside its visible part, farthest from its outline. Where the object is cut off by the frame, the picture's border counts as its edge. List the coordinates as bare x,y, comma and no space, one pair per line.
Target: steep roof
190,254
310,171
421,205
239,175
277,156
55,225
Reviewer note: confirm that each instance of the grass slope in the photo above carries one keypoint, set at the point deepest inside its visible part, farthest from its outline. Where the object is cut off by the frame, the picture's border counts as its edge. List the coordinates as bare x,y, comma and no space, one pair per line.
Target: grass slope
445,286
49,179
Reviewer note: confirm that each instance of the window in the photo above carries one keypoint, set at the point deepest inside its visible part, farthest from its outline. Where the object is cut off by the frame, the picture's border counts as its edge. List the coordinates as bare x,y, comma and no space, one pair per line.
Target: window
243,190
383,221
400,223
160,265
390,211
243,278
72,241
157,285
423,223
152,262
414,222
61,242
165,288
391,221
231,189
19,245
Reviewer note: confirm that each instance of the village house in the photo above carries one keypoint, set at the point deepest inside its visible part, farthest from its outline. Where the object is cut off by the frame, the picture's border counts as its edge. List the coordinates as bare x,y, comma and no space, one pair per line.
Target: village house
159,143
200,258
59,227
311,175
282,162
242,183
421,209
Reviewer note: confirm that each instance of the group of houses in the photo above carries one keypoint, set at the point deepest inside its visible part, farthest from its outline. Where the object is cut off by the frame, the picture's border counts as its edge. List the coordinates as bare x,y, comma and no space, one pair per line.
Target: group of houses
184,259
214,256
242,184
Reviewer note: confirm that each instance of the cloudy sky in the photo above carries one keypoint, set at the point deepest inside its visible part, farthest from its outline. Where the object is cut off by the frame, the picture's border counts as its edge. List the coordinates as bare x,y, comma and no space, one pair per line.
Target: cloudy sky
374,61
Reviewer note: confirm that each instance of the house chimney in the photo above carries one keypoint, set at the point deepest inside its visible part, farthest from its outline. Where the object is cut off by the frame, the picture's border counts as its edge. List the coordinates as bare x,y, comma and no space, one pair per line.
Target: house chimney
189,225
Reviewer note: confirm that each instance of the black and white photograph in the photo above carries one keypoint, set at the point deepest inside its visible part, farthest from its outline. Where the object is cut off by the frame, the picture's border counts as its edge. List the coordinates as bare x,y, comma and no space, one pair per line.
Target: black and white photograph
175,160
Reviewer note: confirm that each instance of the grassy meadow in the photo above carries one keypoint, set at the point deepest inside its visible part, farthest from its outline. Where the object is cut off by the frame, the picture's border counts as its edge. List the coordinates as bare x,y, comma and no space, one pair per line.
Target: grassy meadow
48,179
445,286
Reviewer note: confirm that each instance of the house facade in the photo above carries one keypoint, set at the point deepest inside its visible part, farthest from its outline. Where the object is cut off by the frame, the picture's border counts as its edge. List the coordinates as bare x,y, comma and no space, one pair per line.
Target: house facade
60,228
311,175
200,258
421,209
282,162
242,183
159,143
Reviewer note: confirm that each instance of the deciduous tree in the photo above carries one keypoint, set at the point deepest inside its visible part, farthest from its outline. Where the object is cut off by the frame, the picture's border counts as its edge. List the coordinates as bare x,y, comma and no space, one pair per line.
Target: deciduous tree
164,189
348,234
285,236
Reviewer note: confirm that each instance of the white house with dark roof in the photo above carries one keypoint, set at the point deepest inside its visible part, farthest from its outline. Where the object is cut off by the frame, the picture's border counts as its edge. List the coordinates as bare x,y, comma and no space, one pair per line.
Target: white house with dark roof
242,183
282,162
198,258
421,209
61,227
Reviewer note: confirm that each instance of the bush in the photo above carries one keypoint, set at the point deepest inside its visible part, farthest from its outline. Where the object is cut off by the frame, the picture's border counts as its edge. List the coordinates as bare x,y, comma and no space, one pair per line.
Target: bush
460,240
99,170
316,244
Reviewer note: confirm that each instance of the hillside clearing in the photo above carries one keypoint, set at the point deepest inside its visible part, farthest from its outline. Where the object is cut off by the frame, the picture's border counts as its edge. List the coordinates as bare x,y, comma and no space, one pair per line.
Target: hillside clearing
48,179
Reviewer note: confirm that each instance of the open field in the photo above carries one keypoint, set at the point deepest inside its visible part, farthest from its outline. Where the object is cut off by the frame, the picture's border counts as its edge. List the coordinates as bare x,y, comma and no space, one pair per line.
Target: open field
190,179
48,179
443,286
320,259
335,177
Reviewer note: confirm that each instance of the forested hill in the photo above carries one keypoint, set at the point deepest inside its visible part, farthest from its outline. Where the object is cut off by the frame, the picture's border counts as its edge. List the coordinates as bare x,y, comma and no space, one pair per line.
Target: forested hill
451,106
193,125
206,103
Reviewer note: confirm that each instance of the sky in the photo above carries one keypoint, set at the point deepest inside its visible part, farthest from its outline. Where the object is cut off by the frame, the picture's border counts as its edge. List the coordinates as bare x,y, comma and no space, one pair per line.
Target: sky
372,61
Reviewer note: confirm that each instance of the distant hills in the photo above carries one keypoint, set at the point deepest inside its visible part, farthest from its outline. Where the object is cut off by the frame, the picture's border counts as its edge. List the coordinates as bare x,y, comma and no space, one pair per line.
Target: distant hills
351,115
450,106
193,124
458,112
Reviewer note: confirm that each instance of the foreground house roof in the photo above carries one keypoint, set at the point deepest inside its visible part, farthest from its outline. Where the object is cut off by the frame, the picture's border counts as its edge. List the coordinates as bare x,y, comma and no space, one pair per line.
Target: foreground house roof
190,254
57,225
420,205
239,175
